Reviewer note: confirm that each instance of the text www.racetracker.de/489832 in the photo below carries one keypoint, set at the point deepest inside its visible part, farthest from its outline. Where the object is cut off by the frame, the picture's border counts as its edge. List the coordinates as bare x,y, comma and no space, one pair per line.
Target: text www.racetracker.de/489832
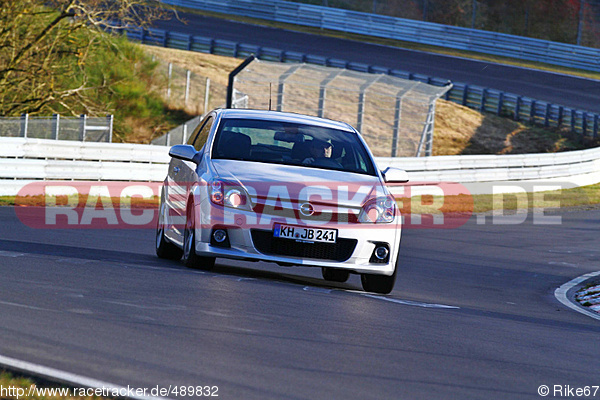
16,392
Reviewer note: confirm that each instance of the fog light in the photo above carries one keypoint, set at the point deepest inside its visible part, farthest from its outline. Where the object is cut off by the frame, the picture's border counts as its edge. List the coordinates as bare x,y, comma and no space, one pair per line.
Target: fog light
381,252
220,235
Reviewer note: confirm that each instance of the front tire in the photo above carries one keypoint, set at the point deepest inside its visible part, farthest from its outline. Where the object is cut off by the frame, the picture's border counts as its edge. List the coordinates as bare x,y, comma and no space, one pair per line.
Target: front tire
381,284
190,258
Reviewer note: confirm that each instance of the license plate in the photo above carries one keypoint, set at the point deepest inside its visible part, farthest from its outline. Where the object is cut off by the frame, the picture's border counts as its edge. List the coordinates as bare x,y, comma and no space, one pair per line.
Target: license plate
305,234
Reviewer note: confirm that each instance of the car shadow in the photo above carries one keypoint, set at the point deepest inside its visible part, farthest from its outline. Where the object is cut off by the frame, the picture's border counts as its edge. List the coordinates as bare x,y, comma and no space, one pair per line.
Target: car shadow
276,276
222,267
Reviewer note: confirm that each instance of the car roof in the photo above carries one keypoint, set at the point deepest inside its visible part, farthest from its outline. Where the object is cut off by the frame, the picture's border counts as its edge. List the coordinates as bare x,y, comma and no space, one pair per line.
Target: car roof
283,117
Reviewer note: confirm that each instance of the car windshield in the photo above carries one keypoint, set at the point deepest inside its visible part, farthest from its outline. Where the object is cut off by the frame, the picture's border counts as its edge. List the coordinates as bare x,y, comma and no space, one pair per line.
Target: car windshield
291,144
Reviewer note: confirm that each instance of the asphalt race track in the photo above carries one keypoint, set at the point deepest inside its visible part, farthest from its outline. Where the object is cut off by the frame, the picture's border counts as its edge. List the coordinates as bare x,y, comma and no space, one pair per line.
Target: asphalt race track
473,315
570,91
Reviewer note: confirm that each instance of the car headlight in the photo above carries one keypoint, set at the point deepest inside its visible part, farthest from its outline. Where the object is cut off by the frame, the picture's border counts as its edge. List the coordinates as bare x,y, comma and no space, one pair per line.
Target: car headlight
379,210
228,195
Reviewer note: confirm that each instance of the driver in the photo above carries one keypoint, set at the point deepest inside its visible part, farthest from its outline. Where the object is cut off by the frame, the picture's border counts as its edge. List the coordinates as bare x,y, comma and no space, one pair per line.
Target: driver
319,149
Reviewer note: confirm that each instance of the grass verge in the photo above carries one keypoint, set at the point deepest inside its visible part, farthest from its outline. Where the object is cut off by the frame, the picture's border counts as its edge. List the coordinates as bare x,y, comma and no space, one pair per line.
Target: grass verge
463,203
17,387
585,196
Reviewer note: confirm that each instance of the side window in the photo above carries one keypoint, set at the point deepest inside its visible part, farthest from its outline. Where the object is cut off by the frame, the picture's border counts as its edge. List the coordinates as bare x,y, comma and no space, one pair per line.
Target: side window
194,134
202,136
192,138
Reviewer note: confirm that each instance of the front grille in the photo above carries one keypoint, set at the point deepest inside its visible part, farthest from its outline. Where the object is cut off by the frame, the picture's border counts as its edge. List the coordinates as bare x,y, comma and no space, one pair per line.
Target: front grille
267,244
327,215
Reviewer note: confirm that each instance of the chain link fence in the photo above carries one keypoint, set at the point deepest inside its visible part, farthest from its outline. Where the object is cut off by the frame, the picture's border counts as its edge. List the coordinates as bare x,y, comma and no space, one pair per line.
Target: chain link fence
191,92
394,115
188,91
83,128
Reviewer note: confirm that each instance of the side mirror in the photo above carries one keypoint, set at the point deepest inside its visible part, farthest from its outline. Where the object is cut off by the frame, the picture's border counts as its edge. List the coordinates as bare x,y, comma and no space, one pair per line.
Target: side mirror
396,175
185,152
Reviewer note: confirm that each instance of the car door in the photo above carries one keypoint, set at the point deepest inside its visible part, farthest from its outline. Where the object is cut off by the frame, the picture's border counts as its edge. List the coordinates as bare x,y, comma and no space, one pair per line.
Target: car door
181,176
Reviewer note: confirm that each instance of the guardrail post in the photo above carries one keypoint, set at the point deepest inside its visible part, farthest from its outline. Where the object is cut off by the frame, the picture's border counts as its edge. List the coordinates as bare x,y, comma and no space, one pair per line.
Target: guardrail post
142,35
518,108
56,123
561,111
584,123
166,39
24,124
532,111
211,46
595,126
465,96
500,103
573,119
547,116
190,43
483,99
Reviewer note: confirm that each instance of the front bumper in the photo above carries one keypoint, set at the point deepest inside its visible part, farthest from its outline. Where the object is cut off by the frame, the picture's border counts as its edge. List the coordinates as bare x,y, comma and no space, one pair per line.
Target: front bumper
353,250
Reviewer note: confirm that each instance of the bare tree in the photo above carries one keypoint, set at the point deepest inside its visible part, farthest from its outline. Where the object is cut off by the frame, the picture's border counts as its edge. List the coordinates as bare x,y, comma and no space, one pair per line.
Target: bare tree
45,46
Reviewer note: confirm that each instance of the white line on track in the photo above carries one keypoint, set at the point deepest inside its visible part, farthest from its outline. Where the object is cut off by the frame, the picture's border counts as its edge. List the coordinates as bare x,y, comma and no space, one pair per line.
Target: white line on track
67,377
8,303
561,294
410,303
10,254
384,298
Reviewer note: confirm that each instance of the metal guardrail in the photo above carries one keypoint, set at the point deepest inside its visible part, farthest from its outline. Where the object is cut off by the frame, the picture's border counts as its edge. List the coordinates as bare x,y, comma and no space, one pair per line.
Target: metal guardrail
429,33
25,160
521,108
43,159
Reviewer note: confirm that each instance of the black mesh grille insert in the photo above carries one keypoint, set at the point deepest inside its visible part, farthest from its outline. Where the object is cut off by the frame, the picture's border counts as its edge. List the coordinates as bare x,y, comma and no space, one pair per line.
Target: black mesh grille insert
267,244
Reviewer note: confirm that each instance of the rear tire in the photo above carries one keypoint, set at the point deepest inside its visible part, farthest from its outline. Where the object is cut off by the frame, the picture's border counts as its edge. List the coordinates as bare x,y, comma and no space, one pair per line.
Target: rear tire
164,248
190,258
335,275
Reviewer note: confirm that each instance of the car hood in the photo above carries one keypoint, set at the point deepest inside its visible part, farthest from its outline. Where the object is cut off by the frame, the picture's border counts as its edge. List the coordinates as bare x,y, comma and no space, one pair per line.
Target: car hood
264,181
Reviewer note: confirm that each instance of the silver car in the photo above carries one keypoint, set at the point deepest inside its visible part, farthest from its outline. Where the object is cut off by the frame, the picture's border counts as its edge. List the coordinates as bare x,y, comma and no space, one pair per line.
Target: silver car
284,188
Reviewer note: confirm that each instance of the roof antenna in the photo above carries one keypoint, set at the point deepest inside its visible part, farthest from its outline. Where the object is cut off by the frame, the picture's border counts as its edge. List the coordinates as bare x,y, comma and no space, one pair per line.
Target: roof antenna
270,96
